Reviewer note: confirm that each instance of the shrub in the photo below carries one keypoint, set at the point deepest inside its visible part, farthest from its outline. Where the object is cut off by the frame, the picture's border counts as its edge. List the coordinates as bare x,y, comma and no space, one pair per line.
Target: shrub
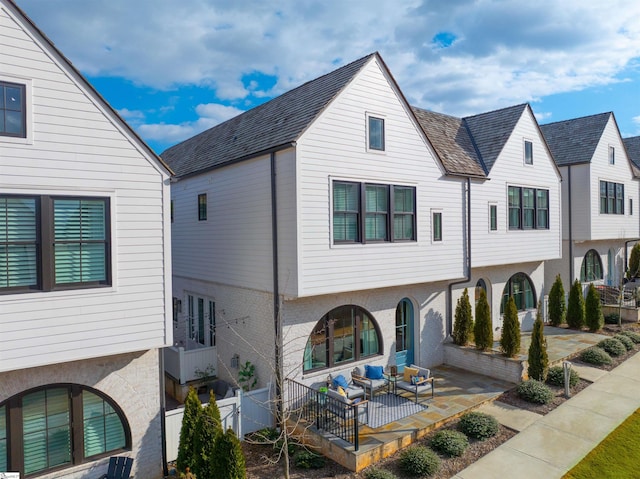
556,376
230,462
538,358
510,339
626,340
612,318
208,431
463,320
634,262
557,306
449,442
482,330
575,309
419,461
186,449
375,473
593,310
595,355
267,435
612,346
535,391
635,337
478,425
309,460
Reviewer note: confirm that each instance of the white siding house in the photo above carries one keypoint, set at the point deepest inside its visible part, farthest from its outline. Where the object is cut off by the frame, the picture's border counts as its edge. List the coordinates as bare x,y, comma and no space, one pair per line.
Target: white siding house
367,223
600,199
85,282
515,210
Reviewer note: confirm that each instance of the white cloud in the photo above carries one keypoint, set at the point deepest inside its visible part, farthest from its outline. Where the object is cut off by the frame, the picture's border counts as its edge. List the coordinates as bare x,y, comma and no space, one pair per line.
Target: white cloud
210,115
130,115
505,51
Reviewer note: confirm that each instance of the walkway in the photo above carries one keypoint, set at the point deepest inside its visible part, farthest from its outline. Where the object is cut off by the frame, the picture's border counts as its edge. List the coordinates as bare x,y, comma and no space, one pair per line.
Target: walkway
549,446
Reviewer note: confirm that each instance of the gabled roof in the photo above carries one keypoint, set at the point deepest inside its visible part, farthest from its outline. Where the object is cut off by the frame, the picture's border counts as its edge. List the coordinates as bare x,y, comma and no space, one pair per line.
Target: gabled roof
15,10
274,124
490,131
574,141
450,138
633,149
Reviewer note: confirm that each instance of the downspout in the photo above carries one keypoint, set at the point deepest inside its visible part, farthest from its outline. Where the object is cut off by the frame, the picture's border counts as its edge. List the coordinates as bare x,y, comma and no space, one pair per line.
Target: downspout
570,228
276,291
467,276
163,415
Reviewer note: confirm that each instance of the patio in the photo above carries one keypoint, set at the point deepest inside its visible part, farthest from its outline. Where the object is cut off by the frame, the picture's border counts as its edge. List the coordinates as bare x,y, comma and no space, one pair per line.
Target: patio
456,392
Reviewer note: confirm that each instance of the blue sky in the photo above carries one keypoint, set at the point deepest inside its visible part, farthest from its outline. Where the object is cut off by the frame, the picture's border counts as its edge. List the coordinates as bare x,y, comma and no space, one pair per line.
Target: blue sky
174,68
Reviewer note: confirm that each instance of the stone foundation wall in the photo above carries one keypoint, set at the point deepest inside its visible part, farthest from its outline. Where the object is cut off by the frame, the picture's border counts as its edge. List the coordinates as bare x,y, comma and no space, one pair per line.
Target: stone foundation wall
486,363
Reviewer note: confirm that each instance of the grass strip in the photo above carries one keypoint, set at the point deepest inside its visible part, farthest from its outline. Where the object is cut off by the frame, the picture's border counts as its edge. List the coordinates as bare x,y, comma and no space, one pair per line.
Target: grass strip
616,457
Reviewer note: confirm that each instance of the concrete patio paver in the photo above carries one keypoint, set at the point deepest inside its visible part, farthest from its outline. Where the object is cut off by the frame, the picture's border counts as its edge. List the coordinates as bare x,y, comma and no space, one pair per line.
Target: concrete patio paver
589,373
542,449
511,416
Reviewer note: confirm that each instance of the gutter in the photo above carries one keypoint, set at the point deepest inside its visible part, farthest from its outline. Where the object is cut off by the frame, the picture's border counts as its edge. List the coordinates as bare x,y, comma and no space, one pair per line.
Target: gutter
467,277
276,289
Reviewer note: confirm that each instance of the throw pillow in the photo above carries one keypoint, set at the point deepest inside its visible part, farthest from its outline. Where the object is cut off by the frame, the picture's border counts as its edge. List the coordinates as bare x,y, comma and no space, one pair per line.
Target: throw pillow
340,381
374,372
416,379
341,391
408,372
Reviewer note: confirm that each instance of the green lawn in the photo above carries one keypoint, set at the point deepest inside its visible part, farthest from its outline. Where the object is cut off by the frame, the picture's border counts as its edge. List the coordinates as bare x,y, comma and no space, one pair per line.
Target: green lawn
617,457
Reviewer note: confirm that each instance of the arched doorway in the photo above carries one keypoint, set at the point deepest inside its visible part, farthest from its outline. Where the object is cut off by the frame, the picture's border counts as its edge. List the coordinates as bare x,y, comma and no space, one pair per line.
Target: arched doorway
404,334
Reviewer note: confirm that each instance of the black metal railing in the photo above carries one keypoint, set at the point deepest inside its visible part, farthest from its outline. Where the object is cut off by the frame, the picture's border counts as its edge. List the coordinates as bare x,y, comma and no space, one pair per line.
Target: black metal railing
324,412
610,295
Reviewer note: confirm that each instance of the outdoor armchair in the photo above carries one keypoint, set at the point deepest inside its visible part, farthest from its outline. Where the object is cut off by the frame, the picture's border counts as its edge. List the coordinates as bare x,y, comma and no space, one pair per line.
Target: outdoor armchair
372,379
416,380
119,468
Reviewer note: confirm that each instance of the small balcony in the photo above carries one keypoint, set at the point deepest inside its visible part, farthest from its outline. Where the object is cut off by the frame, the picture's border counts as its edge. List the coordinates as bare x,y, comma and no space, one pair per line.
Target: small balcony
188,363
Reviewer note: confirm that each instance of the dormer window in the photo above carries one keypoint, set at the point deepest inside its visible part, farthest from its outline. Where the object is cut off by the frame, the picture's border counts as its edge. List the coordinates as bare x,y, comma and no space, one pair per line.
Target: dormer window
376,133
13,118
612,155
528,152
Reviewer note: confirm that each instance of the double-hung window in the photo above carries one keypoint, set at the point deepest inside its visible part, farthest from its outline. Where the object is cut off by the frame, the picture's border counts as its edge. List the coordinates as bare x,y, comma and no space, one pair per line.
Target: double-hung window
50,242
528,208
371,212
13,118
611,198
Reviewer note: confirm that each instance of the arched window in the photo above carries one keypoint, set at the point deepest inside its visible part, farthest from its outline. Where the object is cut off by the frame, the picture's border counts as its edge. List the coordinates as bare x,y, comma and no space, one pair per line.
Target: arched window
58,426
591,267
521,288
345,334
480,286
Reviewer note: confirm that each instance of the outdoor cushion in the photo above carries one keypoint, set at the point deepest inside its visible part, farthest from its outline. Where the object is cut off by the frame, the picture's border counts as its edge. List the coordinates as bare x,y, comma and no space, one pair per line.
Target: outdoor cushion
374,372
340,381
341,391
408,372
336,395
416,379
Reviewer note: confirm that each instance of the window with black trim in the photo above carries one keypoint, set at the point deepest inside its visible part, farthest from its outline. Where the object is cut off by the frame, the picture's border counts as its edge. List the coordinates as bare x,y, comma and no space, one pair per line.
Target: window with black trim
630,206
369,212
611,198
171,206
345,334
13,111
493,217
58,426
521,288
528,208
612,155
437,226
202,207
591,269
54,242
528,152
376,133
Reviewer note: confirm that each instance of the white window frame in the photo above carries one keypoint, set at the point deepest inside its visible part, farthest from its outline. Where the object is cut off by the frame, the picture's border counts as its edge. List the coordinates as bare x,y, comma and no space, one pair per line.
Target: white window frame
435,211
192,320
611,152
524,151
490,206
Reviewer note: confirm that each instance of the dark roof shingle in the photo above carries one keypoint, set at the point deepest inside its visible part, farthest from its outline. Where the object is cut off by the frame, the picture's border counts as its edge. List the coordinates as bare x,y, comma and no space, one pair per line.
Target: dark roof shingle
275,123
574,141
450,138
633,149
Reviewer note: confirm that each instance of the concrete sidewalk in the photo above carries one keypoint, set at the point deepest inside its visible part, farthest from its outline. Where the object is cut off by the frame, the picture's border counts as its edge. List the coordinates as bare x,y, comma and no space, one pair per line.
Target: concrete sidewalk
549,446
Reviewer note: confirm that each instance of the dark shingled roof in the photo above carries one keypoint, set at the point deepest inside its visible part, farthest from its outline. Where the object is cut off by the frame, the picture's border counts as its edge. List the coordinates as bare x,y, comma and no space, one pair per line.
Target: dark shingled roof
490,131
452,142
633,149
273,124
574,141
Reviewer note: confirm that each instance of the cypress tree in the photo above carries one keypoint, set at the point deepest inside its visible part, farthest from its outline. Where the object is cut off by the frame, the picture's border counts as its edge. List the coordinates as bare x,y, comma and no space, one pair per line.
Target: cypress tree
208,432
186,449
483,330
229,459
634,262
538,358
510,339
575,309
593,310
463,320
557,306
